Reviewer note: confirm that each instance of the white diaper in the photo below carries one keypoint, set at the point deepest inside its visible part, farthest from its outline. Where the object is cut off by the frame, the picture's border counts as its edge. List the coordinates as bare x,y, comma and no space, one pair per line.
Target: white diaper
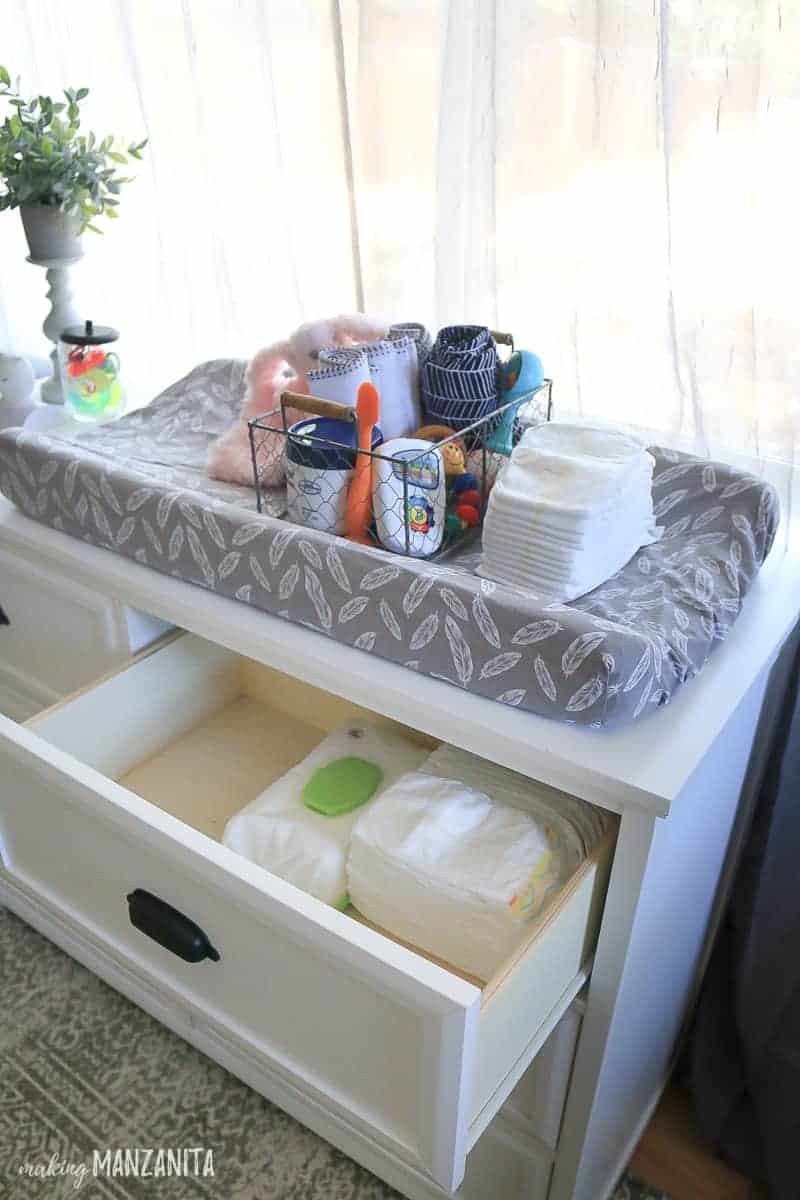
455,858
444,868
277,831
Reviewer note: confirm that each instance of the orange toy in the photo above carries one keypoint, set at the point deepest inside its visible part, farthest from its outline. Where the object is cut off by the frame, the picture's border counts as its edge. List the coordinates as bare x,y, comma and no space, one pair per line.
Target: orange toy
454,453
359,497
81,360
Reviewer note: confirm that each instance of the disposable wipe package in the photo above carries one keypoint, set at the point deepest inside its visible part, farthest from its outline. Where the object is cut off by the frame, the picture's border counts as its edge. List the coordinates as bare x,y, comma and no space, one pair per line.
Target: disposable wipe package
299,828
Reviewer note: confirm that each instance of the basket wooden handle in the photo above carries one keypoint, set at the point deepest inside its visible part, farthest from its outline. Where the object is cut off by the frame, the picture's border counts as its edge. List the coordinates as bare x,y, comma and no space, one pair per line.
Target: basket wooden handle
504,339
316,406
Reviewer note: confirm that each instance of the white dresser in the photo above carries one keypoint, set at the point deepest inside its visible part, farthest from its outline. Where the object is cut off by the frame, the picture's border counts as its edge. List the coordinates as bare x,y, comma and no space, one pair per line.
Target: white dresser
62,634
535,1084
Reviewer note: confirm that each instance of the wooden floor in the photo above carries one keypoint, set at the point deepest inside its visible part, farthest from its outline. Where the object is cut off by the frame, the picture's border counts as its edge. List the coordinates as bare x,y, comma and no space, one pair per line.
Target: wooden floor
672,1157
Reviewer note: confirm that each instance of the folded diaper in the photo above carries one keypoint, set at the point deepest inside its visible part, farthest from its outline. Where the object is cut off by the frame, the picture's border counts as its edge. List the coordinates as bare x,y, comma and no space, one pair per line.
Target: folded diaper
577,575
546,535
570,509
455,857
299,827
576,825
598,440
392,364
568,492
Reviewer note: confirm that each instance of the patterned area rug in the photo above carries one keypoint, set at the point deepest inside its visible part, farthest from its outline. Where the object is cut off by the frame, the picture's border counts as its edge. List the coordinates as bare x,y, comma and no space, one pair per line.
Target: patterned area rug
81,1068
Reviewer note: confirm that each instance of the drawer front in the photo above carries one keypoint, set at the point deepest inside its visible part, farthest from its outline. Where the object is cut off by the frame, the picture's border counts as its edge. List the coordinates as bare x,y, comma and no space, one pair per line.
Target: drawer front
60,635
403,1053
377,1035
506,1166
537,1101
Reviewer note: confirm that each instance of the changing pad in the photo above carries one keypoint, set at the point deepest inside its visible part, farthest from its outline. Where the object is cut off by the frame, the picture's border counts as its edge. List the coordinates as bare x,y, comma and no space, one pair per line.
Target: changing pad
138,487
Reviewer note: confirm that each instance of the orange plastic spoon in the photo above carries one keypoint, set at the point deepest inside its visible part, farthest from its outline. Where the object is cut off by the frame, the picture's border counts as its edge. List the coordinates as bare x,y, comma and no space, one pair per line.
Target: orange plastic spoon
359,497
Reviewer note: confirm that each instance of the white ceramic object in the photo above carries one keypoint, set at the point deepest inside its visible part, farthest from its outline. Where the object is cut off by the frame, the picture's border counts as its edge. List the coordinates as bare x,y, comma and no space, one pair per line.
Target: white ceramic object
63,312
408,496
51,233
16,390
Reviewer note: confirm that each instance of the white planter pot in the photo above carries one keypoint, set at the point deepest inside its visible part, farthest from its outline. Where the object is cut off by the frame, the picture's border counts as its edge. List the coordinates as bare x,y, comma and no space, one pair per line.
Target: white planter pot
51,234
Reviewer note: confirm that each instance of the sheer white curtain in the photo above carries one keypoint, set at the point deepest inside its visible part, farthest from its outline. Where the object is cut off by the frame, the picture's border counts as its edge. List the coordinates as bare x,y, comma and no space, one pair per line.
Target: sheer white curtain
238,223
615,182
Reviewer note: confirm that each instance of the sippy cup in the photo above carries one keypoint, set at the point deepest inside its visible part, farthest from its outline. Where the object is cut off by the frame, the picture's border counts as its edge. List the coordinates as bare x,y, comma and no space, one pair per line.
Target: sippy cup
90,372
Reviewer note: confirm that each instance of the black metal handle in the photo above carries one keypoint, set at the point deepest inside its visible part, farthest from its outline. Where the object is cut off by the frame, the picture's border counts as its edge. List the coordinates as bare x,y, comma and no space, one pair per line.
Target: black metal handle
170,928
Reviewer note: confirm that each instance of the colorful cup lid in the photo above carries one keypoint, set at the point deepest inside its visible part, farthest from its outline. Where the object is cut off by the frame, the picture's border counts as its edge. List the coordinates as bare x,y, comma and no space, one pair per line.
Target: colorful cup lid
89,334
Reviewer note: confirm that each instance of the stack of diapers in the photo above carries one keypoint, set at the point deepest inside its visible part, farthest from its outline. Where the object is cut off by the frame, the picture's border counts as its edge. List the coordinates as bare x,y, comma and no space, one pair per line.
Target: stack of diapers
570,509
392,364
300,827
455,858
575,826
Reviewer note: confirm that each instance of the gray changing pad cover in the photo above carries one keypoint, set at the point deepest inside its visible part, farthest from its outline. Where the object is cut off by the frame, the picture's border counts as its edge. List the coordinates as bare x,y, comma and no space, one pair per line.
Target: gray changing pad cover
138,487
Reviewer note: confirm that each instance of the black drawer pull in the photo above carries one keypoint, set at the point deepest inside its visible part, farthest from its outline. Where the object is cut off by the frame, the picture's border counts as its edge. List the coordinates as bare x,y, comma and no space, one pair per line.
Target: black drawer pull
170,928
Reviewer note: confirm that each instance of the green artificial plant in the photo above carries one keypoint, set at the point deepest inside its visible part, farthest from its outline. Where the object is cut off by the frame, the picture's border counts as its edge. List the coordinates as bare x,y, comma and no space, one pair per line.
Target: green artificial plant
44,159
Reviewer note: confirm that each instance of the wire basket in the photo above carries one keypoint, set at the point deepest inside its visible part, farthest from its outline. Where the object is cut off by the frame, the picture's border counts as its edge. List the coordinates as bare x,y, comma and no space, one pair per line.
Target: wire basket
425,502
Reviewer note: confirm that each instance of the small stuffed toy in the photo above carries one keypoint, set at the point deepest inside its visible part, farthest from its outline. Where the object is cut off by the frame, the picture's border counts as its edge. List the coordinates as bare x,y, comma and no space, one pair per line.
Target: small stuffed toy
454,452
281,367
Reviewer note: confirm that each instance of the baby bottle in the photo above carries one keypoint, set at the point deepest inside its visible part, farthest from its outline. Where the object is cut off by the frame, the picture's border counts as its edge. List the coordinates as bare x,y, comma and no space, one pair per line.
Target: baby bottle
90,372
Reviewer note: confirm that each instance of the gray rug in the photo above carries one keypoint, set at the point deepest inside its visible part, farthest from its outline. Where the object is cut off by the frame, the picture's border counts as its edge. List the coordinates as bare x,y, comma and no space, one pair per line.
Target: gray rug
82,1068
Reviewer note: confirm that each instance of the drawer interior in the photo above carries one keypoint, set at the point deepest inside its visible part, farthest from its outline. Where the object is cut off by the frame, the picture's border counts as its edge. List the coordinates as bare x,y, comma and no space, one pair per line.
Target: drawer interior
136,777
264,724
200,731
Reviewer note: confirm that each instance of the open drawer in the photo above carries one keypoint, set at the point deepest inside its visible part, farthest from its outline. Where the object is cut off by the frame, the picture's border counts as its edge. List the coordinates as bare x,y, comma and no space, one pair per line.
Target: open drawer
128,785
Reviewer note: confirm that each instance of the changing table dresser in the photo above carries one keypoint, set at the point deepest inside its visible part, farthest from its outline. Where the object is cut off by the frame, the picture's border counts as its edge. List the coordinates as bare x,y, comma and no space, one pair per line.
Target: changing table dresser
535,1084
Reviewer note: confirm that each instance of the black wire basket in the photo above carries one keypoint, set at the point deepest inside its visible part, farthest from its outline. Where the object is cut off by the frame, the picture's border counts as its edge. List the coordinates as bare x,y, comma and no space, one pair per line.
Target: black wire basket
424,502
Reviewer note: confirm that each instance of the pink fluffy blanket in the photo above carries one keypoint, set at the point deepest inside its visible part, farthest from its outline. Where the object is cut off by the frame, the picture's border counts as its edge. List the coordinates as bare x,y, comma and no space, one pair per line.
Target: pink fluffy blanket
281,367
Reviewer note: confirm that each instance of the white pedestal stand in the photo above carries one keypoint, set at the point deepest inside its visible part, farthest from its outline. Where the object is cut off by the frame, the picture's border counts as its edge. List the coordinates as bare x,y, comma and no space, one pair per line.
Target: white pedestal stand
62,313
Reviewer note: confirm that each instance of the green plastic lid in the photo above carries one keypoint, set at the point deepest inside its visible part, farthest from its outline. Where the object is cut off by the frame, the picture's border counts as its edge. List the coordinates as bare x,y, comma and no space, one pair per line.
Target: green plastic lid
342,785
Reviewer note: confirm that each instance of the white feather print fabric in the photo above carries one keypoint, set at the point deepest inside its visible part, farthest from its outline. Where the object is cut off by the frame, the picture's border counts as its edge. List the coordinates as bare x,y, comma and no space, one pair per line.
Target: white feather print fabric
138,488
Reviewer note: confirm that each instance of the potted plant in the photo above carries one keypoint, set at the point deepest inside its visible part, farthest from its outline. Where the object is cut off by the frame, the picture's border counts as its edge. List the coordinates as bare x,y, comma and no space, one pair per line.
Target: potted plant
59,178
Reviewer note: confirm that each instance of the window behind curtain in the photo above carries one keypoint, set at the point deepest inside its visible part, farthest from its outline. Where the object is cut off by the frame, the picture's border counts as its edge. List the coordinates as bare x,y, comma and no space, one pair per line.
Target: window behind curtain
615,182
